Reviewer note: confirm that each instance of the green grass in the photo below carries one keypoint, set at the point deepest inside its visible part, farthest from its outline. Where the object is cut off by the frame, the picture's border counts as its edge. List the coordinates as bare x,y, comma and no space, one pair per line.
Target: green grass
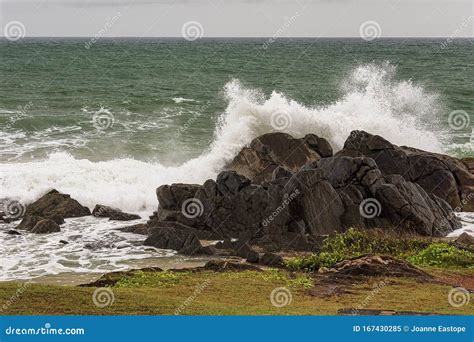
226,293
353,243
443,255
151,279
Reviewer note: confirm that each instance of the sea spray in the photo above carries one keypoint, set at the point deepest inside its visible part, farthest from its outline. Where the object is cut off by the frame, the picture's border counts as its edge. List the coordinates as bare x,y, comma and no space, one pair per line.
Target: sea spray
373,100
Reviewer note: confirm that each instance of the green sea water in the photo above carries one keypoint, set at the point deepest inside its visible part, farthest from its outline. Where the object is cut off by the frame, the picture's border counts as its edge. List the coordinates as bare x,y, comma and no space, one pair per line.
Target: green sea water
109,121
50,89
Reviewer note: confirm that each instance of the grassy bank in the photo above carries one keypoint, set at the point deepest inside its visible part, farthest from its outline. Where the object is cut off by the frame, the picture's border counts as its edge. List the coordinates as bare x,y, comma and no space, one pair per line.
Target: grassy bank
230,293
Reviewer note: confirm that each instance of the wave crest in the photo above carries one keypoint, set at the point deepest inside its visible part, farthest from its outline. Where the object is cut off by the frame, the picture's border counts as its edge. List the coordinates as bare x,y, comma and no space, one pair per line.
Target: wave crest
374,101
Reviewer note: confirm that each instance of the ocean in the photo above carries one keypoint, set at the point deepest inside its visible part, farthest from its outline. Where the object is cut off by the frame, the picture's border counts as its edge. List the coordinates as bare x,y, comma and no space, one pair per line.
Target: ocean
108,121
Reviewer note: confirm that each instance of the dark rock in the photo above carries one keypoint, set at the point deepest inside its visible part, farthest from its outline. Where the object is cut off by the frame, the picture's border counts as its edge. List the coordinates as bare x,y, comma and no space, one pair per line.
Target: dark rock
230,182
317,203
141,228
265,153
446,177
45,226
171,197
113,213
64,242
245,251
13,232
465,239
280,172
30,221
171,238
55,204
281,204
246,208
271,259
201,234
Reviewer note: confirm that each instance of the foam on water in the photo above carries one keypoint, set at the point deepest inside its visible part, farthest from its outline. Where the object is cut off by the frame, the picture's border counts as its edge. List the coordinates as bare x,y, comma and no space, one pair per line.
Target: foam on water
373,100
94,246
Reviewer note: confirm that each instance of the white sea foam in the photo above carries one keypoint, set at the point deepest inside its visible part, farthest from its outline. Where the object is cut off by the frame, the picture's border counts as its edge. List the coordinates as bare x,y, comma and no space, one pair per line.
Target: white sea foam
373,101
93,246
181,99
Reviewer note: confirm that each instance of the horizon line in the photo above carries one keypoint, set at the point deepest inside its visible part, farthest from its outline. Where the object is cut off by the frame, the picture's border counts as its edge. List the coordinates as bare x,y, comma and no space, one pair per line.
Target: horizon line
252,37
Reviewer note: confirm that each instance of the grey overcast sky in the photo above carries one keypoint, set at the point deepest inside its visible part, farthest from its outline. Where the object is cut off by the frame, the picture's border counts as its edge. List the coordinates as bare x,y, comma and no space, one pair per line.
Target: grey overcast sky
240,18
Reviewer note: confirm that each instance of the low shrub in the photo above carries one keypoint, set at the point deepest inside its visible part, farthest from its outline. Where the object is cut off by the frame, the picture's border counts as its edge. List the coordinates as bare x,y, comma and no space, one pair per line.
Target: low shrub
443,255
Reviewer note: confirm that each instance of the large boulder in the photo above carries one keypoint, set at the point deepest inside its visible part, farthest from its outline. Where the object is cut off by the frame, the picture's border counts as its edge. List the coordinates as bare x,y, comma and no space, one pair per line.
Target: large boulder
113,213
316,202
55,203
270,151
446,177
226,207
395,201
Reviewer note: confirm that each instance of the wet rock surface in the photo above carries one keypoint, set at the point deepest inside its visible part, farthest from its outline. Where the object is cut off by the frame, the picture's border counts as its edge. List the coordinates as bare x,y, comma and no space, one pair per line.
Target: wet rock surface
113,213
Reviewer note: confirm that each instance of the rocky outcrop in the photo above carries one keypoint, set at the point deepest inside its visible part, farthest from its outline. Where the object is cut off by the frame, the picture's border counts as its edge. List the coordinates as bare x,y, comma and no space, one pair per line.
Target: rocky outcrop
273,151
282,193
446,177
370,199
114,214
51,208
56,204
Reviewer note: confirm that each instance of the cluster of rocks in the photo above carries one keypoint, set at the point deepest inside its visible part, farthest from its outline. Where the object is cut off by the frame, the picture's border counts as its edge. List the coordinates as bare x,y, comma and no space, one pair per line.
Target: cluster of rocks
286,194
282,193
47,214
